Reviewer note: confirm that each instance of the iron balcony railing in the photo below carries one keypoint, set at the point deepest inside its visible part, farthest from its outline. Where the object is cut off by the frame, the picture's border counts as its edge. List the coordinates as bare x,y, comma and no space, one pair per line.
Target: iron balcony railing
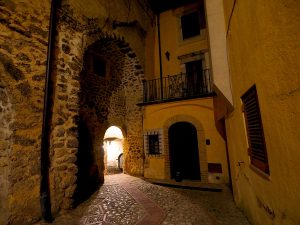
181,86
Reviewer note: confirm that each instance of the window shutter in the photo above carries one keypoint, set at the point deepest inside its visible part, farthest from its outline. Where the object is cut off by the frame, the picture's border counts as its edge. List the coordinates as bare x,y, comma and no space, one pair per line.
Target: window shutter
257,147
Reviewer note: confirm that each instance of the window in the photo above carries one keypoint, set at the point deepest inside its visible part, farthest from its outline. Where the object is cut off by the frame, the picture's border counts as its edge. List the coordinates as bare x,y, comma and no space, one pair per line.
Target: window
256,141
153,142
192,23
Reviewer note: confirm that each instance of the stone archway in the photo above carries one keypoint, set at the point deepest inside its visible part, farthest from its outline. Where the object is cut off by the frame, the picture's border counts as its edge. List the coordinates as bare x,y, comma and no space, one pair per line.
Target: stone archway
110,86
94,97
113,88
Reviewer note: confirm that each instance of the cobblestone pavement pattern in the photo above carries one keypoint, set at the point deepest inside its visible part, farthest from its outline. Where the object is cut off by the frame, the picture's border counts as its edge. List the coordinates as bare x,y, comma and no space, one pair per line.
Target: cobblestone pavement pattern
127,200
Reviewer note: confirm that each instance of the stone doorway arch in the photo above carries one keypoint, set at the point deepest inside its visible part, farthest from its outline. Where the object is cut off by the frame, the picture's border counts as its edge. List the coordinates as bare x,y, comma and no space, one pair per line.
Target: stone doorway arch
184,155
200,140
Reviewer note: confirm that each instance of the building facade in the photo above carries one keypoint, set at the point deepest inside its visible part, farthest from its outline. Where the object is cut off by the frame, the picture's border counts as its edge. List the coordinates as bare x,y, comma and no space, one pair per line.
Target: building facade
180,136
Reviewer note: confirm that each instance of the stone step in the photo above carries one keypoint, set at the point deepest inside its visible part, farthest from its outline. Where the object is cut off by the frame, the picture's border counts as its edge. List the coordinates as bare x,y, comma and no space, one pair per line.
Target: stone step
187,184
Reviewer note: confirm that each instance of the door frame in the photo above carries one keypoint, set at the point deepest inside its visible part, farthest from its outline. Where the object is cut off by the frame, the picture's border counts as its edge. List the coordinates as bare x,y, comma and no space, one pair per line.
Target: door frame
201,145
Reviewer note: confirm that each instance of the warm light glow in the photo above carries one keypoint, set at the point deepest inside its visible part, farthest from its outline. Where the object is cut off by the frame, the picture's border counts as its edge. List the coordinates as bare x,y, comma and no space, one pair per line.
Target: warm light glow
113,145
113,149
113,132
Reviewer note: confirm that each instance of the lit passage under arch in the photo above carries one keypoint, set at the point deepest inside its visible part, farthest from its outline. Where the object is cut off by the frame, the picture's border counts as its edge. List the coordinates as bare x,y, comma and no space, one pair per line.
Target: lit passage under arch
113,149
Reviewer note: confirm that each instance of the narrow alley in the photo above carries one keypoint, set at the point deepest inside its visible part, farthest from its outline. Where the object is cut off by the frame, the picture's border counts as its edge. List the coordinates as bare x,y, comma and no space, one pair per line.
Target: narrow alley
124,199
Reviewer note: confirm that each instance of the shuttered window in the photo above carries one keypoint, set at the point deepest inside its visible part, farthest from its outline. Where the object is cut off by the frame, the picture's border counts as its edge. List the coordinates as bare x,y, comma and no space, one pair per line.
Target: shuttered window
256,141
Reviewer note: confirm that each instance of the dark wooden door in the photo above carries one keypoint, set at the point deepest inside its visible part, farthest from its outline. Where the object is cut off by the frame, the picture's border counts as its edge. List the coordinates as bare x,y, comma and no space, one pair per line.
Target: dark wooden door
194,75
184,156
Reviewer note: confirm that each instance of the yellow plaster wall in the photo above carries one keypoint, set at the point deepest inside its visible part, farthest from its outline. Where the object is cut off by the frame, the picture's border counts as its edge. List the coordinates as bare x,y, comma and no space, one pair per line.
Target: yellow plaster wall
170,32
155,117
263,41
155,168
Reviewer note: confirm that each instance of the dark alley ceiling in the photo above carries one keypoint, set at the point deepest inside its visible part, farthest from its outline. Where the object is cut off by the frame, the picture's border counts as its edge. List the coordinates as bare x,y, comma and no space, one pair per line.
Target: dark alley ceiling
159,6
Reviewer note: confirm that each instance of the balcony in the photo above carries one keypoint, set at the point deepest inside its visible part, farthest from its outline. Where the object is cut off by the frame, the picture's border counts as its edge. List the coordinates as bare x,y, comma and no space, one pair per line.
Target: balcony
177,87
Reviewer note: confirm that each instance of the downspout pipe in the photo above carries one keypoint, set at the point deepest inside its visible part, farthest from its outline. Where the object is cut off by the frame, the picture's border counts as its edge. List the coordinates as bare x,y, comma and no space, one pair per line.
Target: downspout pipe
47,116
160,59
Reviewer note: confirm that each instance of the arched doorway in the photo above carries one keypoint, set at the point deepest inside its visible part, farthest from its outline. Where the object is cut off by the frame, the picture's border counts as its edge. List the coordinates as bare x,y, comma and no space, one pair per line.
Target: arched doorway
184,156
111,87
113,150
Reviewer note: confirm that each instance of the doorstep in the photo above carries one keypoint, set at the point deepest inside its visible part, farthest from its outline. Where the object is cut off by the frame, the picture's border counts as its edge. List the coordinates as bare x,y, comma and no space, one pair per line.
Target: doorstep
187,184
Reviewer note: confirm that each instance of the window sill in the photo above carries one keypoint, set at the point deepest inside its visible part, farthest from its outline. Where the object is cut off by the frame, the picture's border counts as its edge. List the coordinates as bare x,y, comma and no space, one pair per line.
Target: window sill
201,37
260,173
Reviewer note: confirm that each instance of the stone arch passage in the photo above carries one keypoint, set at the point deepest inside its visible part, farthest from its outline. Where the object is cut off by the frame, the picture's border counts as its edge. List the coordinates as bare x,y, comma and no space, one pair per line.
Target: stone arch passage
111,86
94,97
184,157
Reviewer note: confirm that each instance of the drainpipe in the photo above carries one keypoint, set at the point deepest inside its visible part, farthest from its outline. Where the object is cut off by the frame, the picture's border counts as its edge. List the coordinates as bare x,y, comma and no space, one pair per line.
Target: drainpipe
160,60
47,115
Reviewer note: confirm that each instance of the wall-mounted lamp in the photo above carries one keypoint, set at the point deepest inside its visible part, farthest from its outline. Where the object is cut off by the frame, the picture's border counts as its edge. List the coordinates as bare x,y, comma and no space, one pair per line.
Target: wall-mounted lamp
167,55
240,163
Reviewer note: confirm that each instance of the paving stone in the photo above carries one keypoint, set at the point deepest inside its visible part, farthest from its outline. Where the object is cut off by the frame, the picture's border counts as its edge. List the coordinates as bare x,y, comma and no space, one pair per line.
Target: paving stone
127,200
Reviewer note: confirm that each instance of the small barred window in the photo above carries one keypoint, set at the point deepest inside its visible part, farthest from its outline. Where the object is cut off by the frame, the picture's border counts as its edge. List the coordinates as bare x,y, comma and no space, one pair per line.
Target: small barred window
153,142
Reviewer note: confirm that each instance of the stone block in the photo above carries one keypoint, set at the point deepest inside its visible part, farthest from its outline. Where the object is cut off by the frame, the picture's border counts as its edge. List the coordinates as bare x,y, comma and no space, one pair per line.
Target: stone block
10,67
66,159
24,141
72,132
68,180
67,203
73,169
59,121
70,191
72,143
60,132
66,49
24,89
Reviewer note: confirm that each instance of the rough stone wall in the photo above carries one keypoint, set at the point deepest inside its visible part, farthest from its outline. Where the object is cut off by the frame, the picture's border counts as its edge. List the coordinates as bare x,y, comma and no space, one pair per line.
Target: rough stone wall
23,48
64,142
6,119
133,151
77,31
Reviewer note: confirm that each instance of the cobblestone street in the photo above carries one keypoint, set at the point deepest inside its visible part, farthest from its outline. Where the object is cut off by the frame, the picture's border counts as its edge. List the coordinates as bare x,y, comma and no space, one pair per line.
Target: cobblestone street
125,200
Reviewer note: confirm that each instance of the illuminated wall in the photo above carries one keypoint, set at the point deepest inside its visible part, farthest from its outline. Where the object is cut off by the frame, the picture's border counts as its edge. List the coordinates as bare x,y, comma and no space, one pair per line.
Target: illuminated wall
263,46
